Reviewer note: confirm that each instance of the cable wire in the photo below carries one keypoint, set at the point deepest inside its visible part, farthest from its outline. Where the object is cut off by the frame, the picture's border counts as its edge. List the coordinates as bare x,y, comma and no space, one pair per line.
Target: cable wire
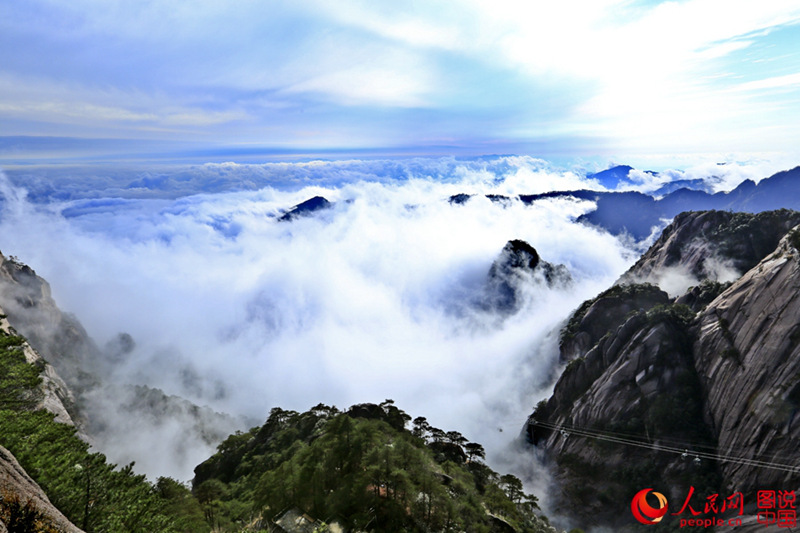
686,451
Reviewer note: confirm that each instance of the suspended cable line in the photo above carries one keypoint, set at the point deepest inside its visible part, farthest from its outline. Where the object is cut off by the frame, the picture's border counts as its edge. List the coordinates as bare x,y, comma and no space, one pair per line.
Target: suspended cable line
684,451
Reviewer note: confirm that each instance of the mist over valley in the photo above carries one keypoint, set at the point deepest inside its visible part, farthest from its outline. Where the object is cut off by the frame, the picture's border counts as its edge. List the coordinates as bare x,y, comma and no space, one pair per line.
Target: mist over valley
444,285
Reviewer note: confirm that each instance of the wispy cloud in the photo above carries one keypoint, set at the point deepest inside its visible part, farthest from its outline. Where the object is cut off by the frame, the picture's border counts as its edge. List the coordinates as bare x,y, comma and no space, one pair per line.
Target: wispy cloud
776,82
646,76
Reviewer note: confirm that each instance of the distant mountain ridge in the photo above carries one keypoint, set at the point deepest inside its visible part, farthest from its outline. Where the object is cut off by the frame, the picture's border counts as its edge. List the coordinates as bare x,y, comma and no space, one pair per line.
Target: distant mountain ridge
612,177
638,214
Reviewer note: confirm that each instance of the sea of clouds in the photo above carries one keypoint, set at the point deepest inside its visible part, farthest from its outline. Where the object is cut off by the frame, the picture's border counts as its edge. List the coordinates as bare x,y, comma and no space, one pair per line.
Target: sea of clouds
377,297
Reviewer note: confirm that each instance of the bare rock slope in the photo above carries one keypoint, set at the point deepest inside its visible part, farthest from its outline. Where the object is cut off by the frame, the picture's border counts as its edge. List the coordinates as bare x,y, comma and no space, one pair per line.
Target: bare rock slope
713,375
747,350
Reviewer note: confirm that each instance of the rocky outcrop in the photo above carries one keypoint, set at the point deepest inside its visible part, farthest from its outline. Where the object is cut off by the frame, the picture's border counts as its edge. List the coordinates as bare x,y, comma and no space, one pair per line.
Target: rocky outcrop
602,315
58,337
55,341
636,385
18,492
518,266
715,372
312,205
713,245
55,396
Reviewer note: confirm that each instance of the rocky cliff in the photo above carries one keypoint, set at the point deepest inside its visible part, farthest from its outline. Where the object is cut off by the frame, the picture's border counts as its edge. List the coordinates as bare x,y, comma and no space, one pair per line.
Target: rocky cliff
697,391
57,336
747,350
107,413
23,504
55,396
26,306
517,267
713,245
38,426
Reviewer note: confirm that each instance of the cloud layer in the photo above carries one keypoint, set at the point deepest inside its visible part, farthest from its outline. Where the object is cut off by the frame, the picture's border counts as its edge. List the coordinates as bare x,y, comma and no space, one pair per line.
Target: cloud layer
371,299
377,297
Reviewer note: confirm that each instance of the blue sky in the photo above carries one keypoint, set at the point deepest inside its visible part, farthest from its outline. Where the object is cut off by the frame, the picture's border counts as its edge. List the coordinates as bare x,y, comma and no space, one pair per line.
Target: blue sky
612,78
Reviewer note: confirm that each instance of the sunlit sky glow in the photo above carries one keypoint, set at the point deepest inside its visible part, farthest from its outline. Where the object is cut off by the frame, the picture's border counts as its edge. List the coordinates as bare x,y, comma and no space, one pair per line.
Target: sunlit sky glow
580,78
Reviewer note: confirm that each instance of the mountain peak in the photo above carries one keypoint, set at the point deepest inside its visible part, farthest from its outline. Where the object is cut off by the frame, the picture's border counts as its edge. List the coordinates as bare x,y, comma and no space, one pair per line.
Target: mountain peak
517,267
611,178
312,205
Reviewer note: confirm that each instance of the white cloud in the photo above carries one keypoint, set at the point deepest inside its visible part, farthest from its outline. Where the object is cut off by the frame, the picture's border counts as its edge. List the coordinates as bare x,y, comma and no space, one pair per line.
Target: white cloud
368,300
644,76
72,103
776,82
358,86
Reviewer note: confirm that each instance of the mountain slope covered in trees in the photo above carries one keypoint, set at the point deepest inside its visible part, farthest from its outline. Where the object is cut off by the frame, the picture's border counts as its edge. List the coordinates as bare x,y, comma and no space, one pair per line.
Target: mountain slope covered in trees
89,491
363,470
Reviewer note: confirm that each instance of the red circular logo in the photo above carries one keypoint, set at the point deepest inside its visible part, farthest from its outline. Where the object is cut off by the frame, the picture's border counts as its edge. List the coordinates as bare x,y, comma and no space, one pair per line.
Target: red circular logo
642,510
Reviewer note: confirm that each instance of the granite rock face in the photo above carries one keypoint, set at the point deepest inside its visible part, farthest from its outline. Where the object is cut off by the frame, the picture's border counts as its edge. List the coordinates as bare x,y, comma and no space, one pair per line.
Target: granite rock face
747,350
712,245
602,315
637,384
517,267
714,372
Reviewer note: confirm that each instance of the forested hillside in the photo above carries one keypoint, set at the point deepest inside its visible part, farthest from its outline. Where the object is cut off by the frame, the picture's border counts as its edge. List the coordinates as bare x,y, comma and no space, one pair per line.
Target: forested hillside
363,470
93,494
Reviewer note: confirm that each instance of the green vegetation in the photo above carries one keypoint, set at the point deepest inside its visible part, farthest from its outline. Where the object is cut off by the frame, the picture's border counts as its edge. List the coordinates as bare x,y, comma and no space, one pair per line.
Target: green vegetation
363,469
574,364
92,493
747,238
627,291
706,292
19,381
794,239
678,315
